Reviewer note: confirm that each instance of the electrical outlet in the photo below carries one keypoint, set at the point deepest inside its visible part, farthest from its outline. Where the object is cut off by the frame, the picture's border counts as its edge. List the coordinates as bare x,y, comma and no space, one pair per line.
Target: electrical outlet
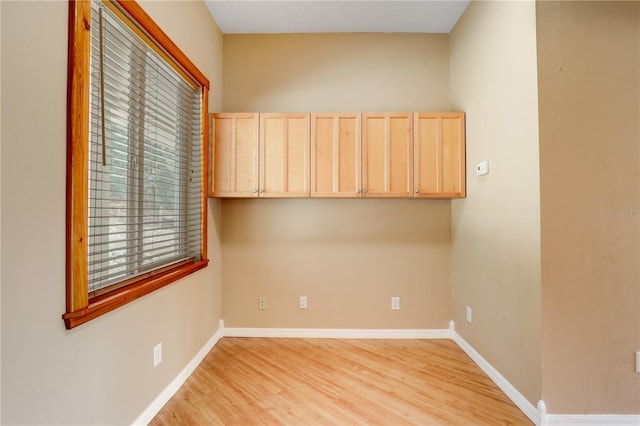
303,302
469,314
262,303
395,303
157,354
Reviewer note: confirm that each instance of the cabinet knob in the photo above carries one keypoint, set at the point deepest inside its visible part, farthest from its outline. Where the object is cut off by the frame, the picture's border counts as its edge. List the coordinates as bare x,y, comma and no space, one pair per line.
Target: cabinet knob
254,190
364,190
261,191
417,191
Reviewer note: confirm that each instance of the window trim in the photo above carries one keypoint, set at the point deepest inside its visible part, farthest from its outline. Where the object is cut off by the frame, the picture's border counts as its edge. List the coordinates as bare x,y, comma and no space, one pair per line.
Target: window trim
79,307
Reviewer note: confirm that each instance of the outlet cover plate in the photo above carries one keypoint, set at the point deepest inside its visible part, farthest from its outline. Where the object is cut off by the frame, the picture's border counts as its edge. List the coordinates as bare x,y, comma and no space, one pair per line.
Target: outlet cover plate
395,303
157,354
262,303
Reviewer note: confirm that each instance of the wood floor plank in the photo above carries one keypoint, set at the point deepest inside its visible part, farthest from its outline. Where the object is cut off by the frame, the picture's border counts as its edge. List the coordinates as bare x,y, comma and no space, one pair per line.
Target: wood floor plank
257,381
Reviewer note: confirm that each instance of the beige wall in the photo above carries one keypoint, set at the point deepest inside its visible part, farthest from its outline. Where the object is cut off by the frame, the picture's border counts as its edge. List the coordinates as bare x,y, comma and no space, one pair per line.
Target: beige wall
347,256
496,229
101,372
0,218
336,72
589,73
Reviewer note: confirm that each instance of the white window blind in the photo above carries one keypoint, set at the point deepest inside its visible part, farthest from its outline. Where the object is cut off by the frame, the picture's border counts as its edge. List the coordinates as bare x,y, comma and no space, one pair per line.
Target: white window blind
145,173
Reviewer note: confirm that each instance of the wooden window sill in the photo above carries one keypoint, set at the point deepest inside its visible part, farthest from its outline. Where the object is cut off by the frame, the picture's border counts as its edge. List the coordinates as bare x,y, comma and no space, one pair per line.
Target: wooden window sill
105,303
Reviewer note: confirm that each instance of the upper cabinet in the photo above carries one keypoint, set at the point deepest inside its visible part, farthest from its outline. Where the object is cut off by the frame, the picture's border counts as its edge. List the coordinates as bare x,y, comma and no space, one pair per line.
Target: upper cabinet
259,155
284,155
233,167
439,155
336,166
334,155
387,155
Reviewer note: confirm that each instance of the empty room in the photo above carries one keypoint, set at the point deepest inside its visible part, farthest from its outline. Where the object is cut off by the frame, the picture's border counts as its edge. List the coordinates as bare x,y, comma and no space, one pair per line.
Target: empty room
319,212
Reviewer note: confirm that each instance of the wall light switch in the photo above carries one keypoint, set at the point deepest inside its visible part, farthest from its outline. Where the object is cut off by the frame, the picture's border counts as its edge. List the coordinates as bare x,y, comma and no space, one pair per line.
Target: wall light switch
469,314
637,362
482,168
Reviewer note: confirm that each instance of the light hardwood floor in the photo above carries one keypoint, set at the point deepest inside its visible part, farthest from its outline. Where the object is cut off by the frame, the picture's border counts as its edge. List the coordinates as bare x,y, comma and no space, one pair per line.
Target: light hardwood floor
246,381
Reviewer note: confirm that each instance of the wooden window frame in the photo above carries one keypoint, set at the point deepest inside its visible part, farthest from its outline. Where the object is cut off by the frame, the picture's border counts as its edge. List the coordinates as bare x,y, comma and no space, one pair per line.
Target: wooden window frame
79,307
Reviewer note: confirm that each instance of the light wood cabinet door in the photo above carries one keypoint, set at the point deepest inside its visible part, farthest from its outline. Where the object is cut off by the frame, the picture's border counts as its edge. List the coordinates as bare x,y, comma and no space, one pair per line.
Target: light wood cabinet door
233,165
439,154
336,164
284,155
387,155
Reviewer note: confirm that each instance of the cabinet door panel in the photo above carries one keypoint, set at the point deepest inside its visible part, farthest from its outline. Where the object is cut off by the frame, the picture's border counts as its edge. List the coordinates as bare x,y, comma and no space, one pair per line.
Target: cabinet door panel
387,149
246,151
426,154
284,155
335,155
271,155
374,147
439,155
220,152
297,172
349,157
401,155
234,140
322,155
453,156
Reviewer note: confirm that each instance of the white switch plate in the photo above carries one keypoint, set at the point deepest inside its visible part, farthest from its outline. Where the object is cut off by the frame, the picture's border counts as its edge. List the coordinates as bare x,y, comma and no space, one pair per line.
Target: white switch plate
482,168
637,362
395,303
303,302
469,314
157,354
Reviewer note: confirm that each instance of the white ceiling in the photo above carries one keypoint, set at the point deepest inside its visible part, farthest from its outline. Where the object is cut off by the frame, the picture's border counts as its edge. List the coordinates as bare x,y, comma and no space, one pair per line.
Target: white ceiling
326,16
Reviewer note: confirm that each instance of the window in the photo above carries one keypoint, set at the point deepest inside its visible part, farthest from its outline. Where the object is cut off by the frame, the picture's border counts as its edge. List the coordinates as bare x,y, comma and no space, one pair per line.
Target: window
136,193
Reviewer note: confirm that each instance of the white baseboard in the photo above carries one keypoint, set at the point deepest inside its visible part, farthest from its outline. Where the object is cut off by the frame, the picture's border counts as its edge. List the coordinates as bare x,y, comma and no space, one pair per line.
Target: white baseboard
521,402
339,333
156,405
593,419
